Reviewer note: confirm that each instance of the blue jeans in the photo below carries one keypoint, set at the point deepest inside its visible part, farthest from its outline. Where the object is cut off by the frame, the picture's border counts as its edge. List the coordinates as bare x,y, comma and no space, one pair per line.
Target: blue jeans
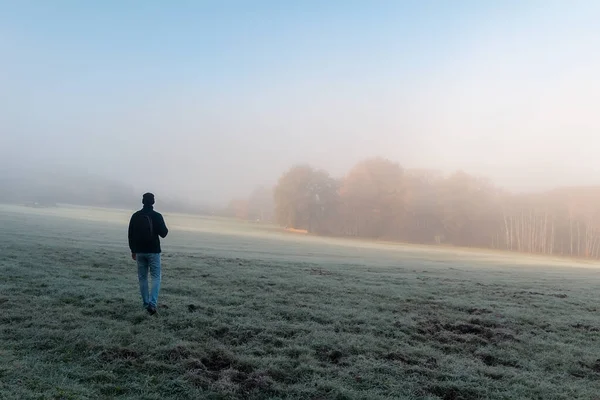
149,262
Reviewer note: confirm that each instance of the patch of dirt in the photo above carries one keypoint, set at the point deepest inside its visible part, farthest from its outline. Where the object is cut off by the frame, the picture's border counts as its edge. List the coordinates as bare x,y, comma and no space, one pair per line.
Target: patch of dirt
484,323
478,311
595,366
116,300
253,381
326,354
493,361
320,271
394,356
481,331
532,293
72,299
585,327
119,353
286,375
578,374
220,332
192,364
192,307
429,327
220,368
178,353
468,329
219,360
431,362
294,353
454,393
494,375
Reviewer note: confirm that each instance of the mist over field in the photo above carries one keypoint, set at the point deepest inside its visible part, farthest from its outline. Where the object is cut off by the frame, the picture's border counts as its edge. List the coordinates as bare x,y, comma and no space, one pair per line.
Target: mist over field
365,200
471,124
506,90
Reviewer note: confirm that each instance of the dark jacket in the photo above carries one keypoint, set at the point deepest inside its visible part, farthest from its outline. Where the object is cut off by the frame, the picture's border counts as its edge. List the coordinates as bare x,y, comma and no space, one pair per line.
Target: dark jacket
160,229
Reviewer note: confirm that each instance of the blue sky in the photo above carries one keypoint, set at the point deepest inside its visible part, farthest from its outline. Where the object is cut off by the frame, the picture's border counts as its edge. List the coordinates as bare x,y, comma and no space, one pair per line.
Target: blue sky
231,45
248,88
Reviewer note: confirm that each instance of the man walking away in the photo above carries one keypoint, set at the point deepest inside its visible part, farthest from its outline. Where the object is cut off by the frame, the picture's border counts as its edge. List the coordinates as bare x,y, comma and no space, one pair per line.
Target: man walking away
145,227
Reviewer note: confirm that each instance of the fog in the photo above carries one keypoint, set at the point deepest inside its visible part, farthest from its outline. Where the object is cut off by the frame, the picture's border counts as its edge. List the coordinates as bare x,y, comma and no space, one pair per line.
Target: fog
204,101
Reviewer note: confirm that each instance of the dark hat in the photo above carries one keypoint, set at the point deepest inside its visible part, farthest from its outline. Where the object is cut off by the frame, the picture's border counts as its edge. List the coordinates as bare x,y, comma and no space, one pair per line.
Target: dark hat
148,199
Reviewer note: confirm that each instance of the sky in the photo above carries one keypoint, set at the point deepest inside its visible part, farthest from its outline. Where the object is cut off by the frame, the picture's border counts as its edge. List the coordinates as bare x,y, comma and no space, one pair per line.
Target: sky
207,99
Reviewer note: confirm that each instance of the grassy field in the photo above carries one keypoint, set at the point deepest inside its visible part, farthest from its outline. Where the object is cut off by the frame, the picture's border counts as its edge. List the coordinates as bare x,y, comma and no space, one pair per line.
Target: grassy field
253,313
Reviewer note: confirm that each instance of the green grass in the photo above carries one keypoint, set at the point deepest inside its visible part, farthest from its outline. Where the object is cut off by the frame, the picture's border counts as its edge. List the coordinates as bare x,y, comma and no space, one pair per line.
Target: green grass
253,314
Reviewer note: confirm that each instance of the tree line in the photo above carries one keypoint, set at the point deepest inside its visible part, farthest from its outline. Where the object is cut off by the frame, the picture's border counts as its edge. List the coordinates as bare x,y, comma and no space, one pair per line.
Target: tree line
378,199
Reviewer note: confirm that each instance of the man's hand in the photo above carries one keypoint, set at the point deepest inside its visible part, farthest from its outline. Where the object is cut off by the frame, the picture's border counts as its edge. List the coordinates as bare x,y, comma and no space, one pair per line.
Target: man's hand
133,256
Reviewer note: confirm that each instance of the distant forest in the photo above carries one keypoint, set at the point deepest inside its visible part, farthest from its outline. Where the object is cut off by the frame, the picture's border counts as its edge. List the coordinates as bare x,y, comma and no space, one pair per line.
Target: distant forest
378,199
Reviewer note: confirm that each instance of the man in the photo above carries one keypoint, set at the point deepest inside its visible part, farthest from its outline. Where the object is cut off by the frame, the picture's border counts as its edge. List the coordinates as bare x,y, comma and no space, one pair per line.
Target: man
145,227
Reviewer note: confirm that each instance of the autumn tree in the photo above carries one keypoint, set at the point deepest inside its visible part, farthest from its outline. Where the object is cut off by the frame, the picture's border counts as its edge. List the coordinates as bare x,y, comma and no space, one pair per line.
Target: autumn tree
372,196
468,210
305,198
423,218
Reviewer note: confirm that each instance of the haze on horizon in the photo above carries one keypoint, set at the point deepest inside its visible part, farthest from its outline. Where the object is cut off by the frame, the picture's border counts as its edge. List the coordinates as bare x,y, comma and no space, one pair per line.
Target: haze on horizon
205,100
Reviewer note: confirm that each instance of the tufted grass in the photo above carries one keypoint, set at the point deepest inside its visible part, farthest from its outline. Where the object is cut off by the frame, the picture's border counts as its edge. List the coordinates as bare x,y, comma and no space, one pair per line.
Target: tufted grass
251,313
